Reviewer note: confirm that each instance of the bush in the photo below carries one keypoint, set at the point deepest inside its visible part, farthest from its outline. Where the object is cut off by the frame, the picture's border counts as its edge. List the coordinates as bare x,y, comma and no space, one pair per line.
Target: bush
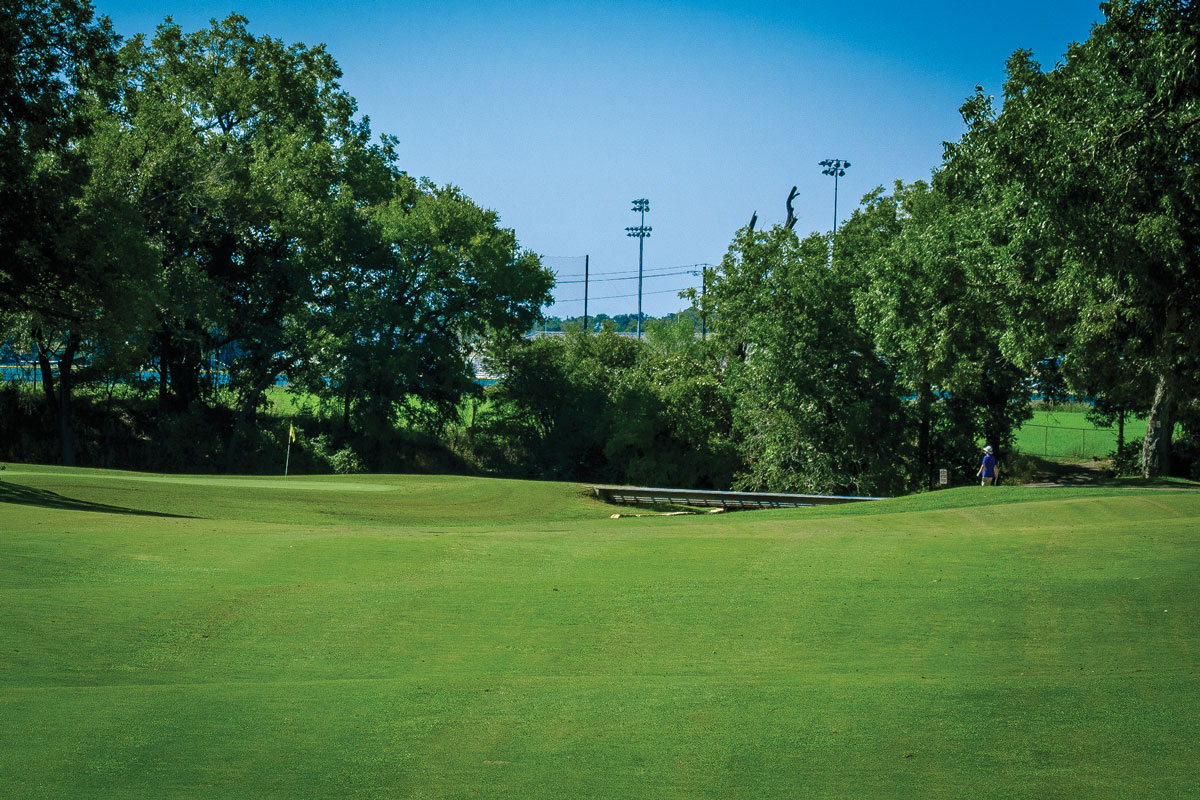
188,441
1018,468
341,461
1127,460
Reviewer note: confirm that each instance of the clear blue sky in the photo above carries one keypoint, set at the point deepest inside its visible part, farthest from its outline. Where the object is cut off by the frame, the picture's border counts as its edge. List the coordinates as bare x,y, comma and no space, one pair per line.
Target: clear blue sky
557,115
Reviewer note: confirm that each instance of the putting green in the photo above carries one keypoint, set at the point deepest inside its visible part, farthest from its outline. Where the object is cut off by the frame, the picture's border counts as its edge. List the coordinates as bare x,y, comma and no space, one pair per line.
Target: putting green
300,483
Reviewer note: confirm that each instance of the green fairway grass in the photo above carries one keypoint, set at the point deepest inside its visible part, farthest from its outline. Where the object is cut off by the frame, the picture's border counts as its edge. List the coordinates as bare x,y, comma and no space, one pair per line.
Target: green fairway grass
428,637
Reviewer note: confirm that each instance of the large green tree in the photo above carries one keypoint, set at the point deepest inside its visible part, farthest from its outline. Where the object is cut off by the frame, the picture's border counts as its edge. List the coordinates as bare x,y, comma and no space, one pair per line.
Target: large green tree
401,318
243,148
56,59
816,410
608,408
1092,169
73,261
927,292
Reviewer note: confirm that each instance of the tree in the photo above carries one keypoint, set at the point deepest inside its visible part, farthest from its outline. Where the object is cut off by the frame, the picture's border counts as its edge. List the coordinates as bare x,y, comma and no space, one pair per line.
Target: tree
677,333
404,315
927,292
72,256
816,410
549,416
56,59
608,408
1093,167
244,149
92,313
671,422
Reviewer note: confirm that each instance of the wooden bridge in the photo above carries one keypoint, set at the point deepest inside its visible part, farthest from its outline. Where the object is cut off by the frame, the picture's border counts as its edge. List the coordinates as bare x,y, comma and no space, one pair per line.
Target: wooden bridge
645,496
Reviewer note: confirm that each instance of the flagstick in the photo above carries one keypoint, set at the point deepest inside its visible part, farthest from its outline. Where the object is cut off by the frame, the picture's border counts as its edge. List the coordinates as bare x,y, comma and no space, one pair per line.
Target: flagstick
288,460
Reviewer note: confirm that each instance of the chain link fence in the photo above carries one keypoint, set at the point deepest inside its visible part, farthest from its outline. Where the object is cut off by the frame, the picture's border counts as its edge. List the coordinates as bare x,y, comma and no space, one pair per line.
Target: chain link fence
1064,442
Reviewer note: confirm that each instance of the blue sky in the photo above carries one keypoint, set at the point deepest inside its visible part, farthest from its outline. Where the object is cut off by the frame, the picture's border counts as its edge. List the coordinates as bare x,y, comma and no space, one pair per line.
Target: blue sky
557,115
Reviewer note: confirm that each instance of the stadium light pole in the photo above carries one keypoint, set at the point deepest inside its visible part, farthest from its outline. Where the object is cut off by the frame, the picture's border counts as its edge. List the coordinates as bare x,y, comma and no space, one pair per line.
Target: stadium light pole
640,232
837,168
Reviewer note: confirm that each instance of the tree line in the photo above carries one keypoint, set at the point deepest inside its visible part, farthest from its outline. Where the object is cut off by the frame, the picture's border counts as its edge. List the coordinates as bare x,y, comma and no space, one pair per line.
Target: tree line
209,204
1054,253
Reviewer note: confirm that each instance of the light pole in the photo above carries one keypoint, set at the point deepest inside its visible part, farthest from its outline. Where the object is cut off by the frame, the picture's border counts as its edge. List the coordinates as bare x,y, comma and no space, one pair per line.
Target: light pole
640,232
837,168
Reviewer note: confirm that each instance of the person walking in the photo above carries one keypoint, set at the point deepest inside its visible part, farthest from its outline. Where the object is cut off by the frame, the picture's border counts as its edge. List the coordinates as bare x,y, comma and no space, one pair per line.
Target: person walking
989,470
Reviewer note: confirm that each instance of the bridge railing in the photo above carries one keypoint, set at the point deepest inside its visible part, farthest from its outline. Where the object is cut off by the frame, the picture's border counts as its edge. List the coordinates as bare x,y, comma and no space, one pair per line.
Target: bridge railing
705,498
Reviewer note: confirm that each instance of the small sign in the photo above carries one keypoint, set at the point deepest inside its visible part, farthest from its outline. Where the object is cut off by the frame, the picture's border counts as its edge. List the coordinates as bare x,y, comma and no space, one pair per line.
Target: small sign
943,476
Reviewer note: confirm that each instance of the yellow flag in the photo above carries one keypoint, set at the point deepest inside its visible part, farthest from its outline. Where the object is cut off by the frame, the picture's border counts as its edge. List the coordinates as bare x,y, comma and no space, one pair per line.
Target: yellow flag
291,433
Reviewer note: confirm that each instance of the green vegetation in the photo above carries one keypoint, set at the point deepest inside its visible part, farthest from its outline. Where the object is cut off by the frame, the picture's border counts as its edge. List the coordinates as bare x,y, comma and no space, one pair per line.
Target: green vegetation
213,211
623,323
1071,434
191,214
175,636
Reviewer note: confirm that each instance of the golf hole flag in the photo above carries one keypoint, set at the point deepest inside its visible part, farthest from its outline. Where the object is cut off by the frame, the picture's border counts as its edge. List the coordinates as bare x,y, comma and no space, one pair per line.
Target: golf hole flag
287,461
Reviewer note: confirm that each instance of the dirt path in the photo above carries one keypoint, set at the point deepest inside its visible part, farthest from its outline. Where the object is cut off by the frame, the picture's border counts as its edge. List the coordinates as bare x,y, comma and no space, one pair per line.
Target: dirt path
1069,473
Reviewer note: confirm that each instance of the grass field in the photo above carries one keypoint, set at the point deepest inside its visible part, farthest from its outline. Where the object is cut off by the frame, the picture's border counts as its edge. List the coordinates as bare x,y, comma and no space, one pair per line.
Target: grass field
1067,433
423,637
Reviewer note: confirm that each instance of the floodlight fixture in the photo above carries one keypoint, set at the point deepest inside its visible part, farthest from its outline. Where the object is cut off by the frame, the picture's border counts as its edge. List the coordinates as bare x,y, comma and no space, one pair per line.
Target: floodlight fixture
835,167
640,232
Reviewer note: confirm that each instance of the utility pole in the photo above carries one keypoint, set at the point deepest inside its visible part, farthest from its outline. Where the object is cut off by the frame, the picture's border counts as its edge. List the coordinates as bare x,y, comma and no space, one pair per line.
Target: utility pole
703,313
585,288
837,168
640,232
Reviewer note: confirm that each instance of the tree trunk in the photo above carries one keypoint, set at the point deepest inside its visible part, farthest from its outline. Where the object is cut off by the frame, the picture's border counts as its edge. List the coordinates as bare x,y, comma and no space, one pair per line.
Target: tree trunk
45,368
246,411
181,359
1156,448
65,427
924,422
163,369
58,398
1120,430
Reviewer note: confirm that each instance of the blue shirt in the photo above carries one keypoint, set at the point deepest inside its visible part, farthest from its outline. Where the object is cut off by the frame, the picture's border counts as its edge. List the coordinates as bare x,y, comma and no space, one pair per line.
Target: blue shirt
989,466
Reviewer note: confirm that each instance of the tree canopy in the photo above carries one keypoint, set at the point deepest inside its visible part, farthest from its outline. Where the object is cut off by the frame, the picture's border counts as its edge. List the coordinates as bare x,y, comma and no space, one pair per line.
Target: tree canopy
1092,168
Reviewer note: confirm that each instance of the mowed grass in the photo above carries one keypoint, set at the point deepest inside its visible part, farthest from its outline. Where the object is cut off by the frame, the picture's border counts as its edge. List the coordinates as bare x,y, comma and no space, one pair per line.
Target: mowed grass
1068,433
423,637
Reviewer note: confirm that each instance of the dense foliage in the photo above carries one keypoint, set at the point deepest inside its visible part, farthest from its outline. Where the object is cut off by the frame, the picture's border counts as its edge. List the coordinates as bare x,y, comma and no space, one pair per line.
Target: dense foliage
216,216
1088,186
191,218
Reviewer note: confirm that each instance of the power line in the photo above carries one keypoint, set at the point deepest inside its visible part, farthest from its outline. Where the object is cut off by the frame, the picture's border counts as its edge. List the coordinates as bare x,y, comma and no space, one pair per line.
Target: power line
647,270
619,296
630,278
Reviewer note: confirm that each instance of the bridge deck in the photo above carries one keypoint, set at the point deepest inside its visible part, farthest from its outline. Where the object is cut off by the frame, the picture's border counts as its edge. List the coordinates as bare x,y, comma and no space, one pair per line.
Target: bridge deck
642,495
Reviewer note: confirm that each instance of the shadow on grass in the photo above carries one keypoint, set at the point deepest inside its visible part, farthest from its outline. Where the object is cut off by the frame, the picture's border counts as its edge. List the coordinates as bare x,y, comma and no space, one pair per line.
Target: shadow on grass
26,496
1036,470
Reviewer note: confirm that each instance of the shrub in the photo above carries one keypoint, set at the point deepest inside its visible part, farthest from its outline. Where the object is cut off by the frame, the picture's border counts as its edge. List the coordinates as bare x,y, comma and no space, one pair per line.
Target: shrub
327,457
1127,460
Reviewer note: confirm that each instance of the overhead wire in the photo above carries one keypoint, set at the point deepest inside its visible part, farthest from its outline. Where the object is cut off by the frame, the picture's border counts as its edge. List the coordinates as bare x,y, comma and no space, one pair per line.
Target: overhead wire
646,274
621,296
628,278
646,271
